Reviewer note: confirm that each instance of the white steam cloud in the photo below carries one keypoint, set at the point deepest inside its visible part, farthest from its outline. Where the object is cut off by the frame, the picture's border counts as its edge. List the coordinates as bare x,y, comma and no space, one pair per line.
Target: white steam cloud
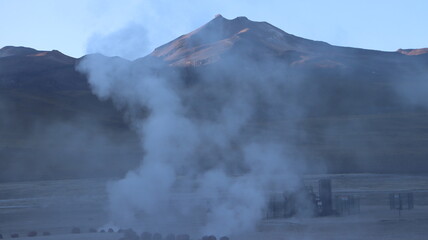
203,171
127,42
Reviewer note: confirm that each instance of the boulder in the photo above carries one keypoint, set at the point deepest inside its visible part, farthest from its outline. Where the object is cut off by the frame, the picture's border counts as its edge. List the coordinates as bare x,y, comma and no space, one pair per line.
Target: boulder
157,236
146,236
170,237
75,230
183,237
130,234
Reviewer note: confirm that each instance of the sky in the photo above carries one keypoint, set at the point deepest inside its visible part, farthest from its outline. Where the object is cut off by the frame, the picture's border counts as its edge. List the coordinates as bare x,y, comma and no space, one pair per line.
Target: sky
78,27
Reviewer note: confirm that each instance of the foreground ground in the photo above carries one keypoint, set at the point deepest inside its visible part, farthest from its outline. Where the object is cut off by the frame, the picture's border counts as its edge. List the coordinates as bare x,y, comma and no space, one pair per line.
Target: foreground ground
58,206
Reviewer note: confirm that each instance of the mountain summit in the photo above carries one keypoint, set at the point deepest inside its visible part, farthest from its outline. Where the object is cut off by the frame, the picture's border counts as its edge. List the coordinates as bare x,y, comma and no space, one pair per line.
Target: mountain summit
222,37
16,51
23,67
207,43
20,52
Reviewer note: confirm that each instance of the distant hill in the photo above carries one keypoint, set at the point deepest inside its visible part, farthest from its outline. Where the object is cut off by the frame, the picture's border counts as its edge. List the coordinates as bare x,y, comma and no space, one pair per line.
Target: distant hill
27,68
51,124
364,110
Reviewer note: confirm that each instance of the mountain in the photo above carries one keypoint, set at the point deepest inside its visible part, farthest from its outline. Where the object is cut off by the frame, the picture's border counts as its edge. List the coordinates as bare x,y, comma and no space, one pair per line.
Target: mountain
44,70
208,43
359,110
52,126
220,37
413,51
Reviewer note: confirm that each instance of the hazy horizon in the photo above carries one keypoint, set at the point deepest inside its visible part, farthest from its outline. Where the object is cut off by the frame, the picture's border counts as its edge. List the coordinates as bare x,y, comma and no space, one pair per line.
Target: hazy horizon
70,27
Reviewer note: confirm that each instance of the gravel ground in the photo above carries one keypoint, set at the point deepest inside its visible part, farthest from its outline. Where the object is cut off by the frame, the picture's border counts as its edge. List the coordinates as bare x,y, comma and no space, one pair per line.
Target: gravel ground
58,206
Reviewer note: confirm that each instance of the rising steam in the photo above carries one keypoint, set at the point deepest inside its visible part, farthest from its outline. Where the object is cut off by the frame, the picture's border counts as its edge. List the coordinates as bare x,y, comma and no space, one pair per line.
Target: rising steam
194,131
221,133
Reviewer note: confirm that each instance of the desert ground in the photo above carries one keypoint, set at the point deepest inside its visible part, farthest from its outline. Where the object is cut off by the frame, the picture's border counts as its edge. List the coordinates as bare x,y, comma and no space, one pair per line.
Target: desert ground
58,206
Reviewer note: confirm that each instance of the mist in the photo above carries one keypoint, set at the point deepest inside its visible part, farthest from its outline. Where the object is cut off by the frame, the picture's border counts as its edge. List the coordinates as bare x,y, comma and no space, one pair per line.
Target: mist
196,136
232,137
127,42
58,145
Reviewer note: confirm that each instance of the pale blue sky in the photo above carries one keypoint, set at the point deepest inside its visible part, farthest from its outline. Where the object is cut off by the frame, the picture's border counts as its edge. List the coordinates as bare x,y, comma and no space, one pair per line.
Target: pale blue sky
69,25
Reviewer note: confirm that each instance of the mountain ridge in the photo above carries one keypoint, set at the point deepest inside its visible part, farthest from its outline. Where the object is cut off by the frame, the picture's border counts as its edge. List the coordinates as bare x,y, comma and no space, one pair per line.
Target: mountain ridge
351,86
213,38
206,44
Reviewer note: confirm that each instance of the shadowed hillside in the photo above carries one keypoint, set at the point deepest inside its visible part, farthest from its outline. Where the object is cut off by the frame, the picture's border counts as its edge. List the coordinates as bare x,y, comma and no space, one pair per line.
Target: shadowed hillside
52,126
343,109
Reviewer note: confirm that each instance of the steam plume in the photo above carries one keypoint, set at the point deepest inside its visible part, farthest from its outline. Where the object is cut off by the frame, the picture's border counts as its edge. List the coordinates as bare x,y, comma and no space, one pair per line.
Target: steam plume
196,138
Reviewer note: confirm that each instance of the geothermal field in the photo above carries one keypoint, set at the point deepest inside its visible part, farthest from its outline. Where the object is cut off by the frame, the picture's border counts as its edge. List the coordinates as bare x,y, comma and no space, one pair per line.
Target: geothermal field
59,206
164,120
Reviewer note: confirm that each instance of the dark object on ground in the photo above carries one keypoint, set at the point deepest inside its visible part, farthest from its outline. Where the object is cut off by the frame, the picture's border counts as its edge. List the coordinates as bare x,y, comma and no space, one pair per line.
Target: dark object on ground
92,230
157,236
14,235
286,204
46,234
326,197
170,237
120,231
102,231
1,236
146,236
32,234
110,230
183,237
75,230
224,238
130,234
212,237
